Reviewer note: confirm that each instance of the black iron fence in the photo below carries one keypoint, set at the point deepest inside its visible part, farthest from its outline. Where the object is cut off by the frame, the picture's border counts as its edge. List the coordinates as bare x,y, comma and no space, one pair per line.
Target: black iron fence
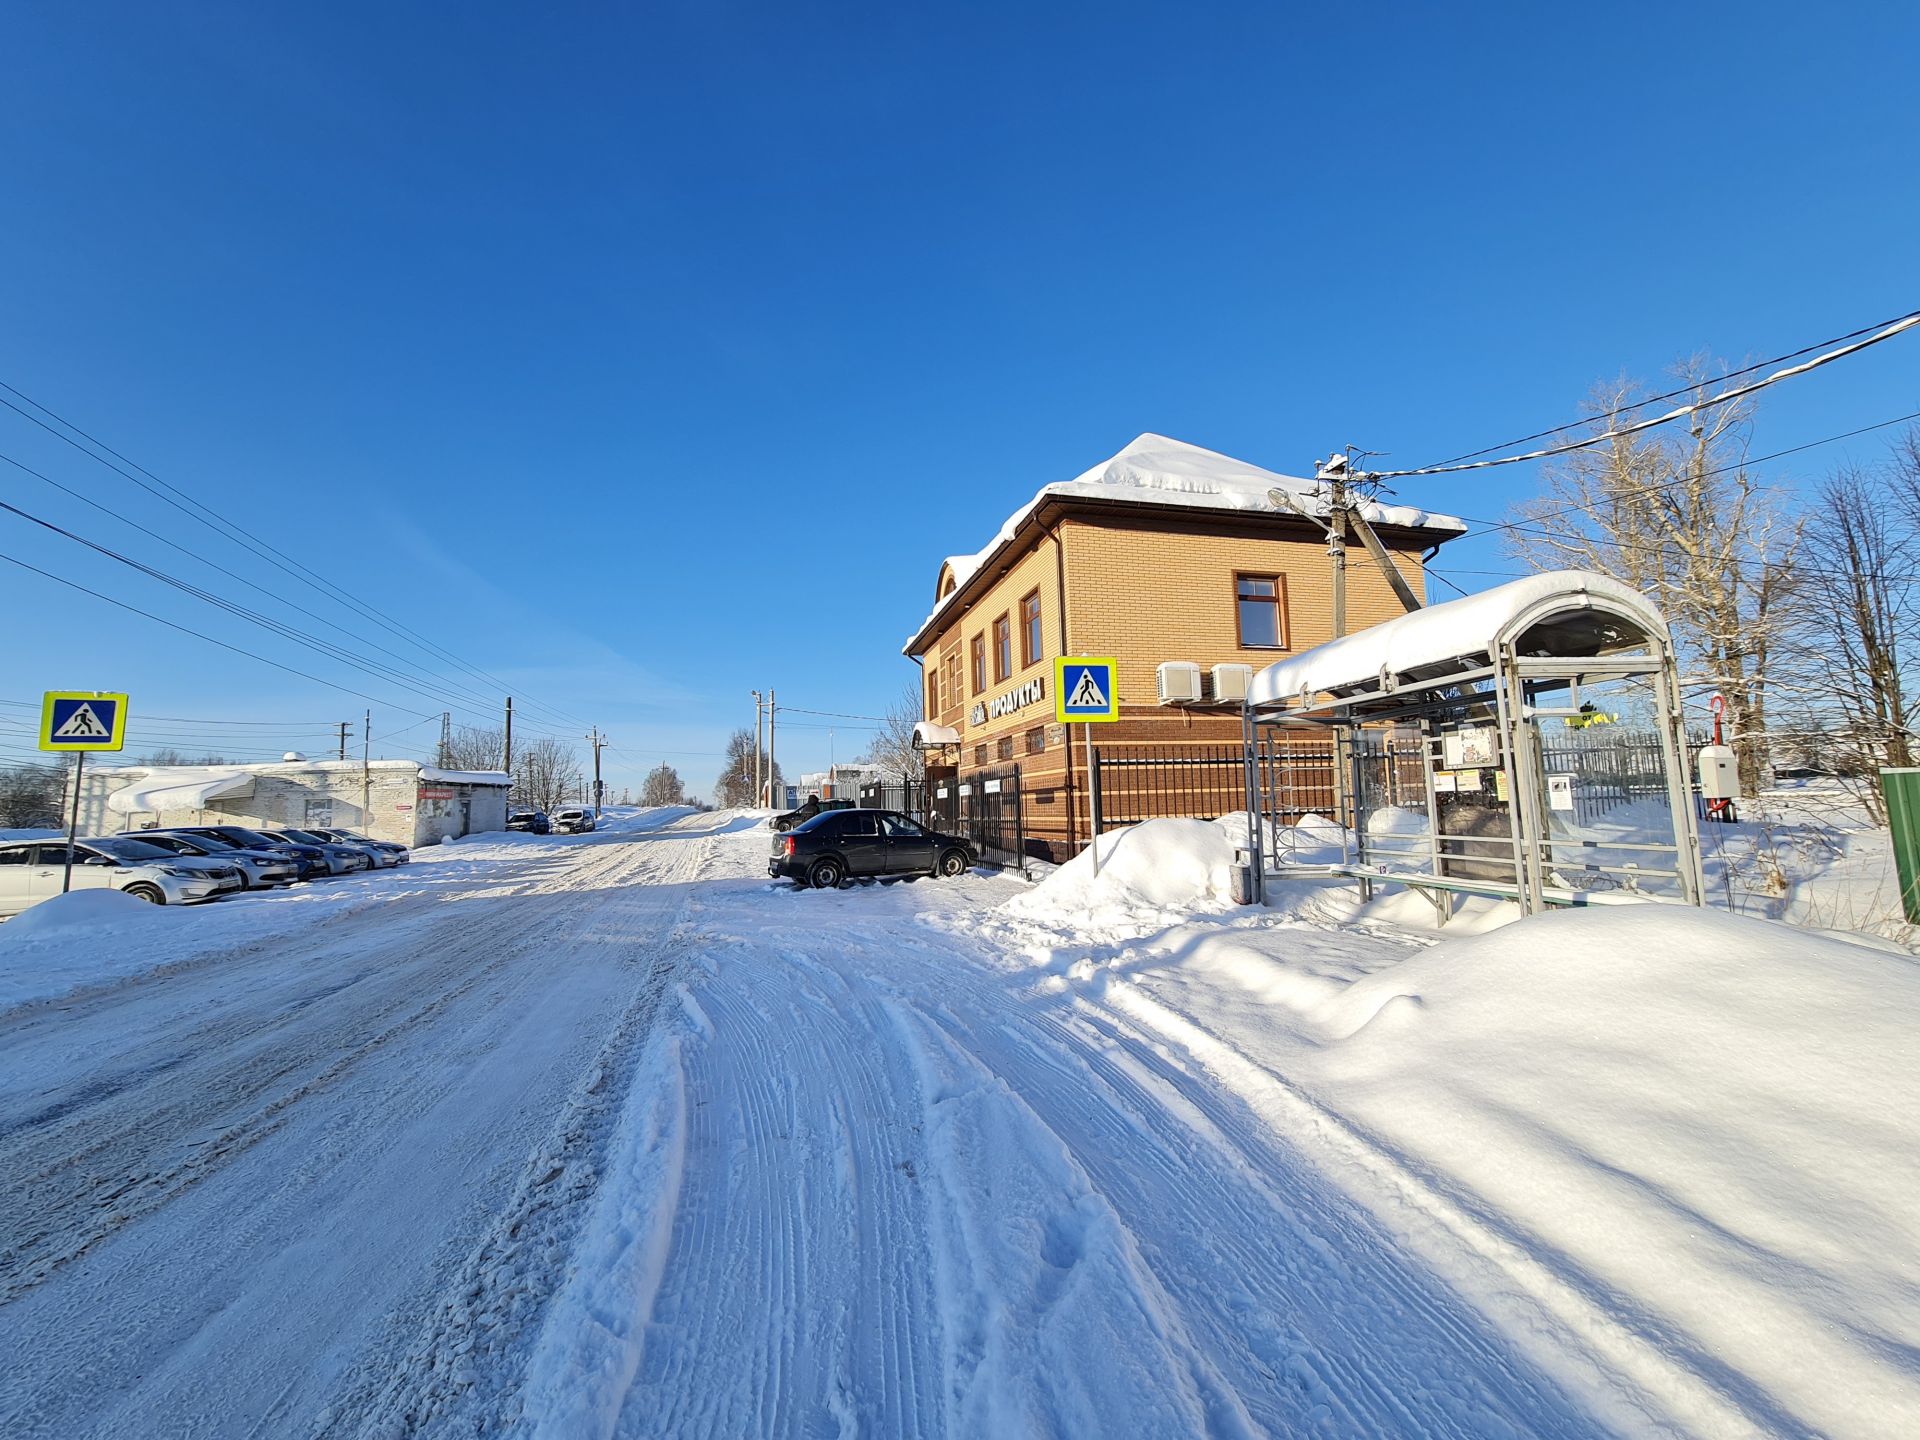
987,807
1132,783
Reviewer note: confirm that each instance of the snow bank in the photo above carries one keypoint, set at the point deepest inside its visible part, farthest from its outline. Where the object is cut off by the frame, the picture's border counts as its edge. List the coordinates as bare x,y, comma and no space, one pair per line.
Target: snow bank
1155,865
1692,1125
79,910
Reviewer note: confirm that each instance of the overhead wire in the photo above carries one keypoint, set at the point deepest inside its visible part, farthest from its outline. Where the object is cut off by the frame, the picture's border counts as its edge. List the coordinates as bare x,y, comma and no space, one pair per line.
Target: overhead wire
1879,335
219,524
1676,393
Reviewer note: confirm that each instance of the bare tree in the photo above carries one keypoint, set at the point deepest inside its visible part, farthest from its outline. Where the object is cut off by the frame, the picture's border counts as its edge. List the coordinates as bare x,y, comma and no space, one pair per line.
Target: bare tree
1687,522
167,755
663,787
735,785
891,751
474,747
30,796
545,772
1850,702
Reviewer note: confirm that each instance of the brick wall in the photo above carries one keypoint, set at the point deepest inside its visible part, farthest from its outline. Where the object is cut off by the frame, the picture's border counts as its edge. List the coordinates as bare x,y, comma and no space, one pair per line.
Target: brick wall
1144,593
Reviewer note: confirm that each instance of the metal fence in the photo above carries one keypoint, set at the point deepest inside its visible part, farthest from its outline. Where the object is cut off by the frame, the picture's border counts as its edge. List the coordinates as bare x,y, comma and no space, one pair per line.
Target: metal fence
1132,783
987,808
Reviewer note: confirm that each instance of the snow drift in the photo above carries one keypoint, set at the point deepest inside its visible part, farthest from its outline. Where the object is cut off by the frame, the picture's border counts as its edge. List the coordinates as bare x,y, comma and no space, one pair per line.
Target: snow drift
1155,865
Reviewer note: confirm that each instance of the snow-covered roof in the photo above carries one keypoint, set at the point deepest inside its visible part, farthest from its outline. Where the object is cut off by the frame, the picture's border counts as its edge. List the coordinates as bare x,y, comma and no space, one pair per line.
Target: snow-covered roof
1465,629
1156,470
179,787
464,777
190,787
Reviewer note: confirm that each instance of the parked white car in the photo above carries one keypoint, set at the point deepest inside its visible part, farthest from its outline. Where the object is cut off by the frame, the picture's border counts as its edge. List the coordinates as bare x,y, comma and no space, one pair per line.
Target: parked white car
575,821
32,871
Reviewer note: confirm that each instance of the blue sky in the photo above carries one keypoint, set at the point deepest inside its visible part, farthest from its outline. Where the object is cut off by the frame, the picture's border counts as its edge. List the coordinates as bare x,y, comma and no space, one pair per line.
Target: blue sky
642,356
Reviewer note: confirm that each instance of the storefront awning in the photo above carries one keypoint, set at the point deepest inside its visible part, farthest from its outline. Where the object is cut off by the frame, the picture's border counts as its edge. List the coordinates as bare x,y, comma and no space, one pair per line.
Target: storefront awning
929,736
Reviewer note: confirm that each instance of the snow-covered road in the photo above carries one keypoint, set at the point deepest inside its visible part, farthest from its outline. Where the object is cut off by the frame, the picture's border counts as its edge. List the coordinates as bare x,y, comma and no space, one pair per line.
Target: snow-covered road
611,1136
239,1189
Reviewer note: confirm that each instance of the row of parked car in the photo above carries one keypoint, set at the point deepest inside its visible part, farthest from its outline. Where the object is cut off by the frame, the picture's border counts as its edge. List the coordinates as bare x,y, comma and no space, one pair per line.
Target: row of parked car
577,820
187,864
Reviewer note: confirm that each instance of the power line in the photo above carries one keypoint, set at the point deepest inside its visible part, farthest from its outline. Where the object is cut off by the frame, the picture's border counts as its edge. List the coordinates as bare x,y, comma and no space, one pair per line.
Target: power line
220,525
1494,526
200,635
457,686
281,628
1677,393
1615,433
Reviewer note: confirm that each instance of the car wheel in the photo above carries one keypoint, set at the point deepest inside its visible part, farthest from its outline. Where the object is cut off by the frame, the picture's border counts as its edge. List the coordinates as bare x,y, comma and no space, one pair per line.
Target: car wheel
827,875
152,894
953,863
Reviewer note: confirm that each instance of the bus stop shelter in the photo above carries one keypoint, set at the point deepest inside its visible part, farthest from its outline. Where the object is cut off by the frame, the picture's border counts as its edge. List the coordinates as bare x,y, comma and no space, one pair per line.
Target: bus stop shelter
1525,743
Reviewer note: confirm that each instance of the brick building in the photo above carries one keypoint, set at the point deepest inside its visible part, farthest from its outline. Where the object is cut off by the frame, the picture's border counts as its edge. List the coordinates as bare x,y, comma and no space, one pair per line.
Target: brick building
1177,562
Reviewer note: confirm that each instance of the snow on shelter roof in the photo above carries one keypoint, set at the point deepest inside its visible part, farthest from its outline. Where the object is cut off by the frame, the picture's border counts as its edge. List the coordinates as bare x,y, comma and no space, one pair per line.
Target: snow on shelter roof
1460,630
1156,470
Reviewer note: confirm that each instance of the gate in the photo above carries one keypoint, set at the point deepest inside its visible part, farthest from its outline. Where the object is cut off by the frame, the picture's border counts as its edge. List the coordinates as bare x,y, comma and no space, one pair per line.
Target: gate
986,807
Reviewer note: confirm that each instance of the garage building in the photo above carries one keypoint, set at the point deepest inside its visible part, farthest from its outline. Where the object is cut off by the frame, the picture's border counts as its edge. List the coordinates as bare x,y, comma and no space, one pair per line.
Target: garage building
398,800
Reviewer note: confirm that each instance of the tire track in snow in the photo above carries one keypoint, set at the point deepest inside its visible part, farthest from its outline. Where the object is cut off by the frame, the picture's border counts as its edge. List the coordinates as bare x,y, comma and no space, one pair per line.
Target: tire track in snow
796,1298
138,1352
78,1181
462,1363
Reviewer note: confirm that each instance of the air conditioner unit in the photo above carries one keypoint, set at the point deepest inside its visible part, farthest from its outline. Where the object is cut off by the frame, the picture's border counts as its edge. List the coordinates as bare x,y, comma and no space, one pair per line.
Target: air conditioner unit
1230,683
1179,683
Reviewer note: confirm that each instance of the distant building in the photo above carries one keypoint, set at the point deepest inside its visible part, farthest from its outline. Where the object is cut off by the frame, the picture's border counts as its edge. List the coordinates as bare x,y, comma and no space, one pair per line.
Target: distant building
1175,561
400,800
836,782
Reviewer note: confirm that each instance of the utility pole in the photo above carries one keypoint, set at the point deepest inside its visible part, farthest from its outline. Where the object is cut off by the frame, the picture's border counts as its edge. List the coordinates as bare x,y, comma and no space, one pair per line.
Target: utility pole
597,740
759,735
1334,472
366,769
506,758
345,726
773,769
445,758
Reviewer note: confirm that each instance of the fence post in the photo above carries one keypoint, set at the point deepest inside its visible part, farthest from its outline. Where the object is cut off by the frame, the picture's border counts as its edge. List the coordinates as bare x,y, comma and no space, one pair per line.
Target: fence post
1094,761
1902,791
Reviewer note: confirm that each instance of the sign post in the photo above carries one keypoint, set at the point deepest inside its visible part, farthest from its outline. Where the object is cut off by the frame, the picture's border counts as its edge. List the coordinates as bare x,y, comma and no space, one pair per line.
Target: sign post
1086,692
79,721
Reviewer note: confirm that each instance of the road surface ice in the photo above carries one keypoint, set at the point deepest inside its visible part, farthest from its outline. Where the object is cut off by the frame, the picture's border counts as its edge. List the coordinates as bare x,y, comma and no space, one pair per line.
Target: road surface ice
611,1136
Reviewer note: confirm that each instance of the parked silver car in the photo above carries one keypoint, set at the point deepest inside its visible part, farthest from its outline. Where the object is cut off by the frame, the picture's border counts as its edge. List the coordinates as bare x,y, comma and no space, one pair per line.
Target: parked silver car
576,820
341,859
262,869
32,871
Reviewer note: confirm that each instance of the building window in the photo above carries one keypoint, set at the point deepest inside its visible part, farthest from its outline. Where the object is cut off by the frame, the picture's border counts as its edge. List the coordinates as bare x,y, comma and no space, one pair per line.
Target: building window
979,663
1031,648
1002,649
979,754
933,692
1005,745
1036,740
1261,603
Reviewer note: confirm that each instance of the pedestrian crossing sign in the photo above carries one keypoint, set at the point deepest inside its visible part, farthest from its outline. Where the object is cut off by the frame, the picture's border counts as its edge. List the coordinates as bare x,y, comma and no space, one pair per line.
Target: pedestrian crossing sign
83,720
1084,690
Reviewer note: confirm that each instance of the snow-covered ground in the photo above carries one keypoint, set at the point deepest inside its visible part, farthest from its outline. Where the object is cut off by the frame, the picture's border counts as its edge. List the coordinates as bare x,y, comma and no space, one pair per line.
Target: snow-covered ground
610,1135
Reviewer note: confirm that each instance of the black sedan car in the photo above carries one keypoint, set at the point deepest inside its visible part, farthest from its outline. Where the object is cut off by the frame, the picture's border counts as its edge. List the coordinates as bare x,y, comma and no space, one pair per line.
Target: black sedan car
532,822
814,805
851,844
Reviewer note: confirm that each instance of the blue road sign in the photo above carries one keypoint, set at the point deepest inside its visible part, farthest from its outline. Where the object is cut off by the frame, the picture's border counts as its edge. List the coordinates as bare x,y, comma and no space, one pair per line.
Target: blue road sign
79,720
1084,690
